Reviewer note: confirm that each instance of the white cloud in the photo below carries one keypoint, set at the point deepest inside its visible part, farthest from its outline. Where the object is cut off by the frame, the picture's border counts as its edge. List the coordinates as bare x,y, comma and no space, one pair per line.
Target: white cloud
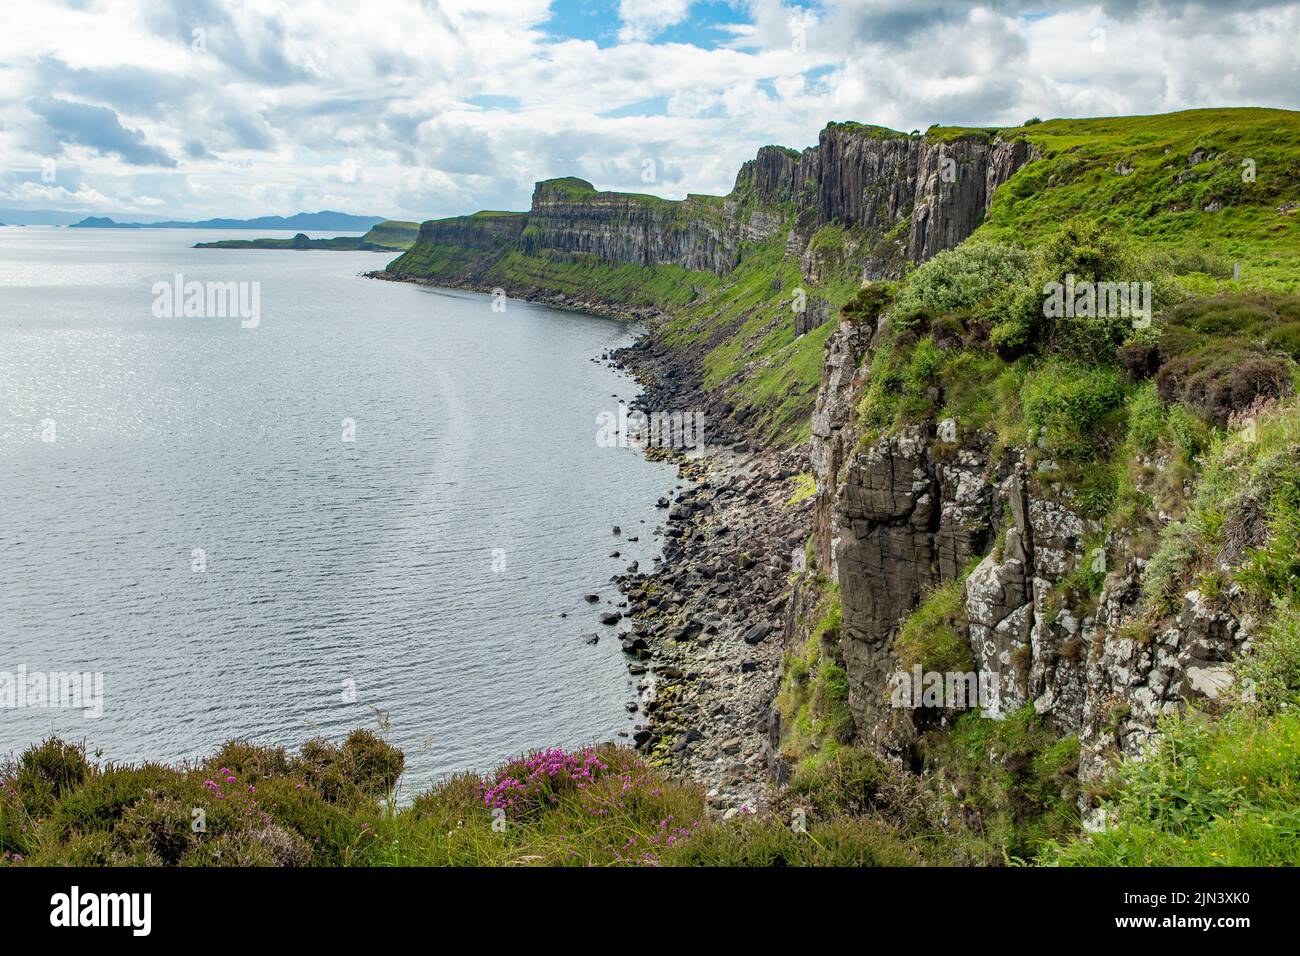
296,103
646,19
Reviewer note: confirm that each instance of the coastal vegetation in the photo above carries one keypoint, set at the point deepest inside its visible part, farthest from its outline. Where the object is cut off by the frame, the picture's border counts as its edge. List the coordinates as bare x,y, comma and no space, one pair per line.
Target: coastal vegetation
1171,430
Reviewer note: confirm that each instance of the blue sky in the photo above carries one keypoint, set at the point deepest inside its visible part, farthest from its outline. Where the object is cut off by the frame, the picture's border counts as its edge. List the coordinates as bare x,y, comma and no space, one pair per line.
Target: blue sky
415,108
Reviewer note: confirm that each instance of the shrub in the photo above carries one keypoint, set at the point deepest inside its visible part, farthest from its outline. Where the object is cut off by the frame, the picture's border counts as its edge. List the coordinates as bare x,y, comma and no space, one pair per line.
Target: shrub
1216,382
853,781
540,779
155,830
1166,572
1188,260
921,366
1073,406
248,761
49,770
1286,338
100,801
1140,359
363,767
1224,315
1091,253
975,278
374,764
869,302
1146,418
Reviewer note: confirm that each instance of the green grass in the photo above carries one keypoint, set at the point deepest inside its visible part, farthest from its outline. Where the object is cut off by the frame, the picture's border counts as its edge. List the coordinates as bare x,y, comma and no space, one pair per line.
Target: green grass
805,486
1162,203
814,693
934,635
1012,779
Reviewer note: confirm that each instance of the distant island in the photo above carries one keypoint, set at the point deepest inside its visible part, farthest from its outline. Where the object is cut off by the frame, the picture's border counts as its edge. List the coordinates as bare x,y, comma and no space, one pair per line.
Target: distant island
391,235
315,221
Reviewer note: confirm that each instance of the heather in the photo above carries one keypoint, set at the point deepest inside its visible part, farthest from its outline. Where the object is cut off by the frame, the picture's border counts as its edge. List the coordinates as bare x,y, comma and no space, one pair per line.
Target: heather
339,805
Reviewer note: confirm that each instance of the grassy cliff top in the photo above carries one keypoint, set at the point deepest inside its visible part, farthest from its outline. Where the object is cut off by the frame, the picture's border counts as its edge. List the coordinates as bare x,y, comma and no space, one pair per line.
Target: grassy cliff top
566,187
1224,180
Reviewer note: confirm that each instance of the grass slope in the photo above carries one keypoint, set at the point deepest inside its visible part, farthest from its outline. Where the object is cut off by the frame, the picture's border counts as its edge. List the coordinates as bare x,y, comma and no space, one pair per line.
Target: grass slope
1221,182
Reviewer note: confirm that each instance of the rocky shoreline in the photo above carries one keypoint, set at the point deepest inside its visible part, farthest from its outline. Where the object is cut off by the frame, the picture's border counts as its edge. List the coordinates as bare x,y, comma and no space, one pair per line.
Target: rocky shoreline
556,300
707,621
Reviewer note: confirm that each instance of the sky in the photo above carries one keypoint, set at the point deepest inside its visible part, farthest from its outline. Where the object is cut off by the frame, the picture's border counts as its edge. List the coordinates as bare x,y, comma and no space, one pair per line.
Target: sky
414,109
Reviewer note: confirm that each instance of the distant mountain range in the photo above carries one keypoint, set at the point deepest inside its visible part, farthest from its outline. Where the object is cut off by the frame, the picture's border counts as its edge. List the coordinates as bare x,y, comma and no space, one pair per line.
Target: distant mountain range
315,221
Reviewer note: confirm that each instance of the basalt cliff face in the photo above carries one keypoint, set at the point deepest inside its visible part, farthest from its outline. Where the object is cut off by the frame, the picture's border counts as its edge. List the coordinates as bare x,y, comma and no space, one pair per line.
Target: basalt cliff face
570,216
485,232
925,195
895,518
864,178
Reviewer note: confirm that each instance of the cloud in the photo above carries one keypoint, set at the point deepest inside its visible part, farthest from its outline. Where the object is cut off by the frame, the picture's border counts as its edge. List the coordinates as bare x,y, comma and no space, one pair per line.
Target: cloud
130,89
195,149
35,194
419,109
98,128
646,19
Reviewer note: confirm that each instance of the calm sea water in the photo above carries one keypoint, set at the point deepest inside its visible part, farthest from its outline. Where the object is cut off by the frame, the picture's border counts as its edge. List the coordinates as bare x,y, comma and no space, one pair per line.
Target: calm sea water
424,565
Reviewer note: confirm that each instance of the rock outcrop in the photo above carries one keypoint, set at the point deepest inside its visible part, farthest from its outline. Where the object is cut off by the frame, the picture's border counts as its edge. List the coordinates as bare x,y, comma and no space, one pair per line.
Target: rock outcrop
870,181
571,216
909,519
898,517
876,180
488,232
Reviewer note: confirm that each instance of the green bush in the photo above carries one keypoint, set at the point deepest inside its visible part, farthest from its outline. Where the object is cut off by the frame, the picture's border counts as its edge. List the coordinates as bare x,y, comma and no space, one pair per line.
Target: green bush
1089,253
49,770
869,302
1146,418
1074,407
364,766
974,278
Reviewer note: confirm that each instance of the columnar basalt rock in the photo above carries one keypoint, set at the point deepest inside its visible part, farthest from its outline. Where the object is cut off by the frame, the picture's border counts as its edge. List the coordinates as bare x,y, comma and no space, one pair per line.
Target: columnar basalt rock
870,181
833,433
955,182
908,520
695,234
910,512
481,232
894,518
